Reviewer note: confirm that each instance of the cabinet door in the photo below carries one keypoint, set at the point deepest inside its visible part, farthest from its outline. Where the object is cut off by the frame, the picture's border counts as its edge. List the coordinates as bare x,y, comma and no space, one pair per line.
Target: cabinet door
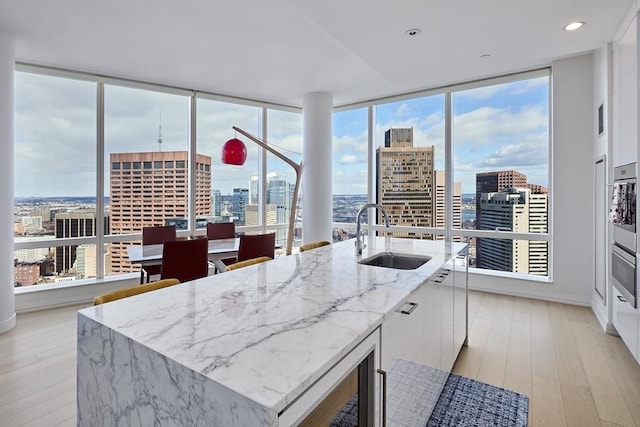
459,281
433,324
625,319
443,281
403,331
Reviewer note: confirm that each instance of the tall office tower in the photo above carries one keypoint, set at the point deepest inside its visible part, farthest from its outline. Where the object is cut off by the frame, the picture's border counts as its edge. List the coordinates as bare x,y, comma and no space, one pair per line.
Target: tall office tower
216,202
253,190
279,193
494,182
148,188
538,223
440,205
80,223
405,181
519,211
402,137
239,203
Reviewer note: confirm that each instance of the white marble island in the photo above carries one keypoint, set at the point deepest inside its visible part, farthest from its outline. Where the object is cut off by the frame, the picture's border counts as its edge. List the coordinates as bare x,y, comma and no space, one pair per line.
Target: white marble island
237,348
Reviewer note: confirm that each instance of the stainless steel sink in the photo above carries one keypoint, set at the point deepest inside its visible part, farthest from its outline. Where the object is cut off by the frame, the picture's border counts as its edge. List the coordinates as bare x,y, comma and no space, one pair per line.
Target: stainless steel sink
395,260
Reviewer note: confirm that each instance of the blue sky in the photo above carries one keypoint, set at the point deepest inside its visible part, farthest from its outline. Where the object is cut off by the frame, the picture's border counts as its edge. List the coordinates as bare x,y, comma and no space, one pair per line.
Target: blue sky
498,127
495,128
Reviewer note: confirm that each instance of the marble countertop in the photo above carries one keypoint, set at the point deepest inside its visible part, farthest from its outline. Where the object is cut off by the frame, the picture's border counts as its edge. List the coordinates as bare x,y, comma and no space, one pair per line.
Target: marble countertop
271,330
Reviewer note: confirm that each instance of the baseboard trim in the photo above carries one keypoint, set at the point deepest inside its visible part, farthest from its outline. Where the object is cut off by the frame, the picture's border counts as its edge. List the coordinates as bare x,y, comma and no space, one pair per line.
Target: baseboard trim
8,324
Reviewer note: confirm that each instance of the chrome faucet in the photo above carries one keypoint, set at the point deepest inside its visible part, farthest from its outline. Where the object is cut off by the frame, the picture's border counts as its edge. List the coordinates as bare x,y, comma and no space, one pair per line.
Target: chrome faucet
360,244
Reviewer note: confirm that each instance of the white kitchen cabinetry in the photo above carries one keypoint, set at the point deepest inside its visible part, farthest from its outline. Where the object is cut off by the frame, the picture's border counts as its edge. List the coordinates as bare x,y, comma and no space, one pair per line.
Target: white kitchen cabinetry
625,96
430,328
403,331
439,338
459,281
625,319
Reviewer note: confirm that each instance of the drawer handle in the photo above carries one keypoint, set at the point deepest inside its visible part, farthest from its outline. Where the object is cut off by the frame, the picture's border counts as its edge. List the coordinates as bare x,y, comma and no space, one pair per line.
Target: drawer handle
621,299
384,396
413,305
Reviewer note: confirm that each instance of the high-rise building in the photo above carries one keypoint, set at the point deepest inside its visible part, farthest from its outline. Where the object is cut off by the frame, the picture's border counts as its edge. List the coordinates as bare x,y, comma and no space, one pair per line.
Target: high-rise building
148,188
80,223
253,190
405,180
216,200
279,193
494,182
441,205
520,211
239,202
538,223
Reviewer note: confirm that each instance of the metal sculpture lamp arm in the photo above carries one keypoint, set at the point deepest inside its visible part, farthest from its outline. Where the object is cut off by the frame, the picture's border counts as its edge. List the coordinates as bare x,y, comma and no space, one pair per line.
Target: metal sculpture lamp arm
238,158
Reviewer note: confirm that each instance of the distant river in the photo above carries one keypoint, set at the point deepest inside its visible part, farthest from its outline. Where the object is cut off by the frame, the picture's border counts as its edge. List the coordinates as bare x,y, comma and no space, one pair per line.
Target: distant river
468,214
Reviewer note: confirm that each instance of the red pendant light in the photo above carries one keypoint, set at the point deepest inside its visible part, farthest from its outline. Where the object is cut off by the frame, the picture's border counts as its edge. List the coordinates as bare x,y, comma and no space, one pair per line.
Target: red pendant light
234,152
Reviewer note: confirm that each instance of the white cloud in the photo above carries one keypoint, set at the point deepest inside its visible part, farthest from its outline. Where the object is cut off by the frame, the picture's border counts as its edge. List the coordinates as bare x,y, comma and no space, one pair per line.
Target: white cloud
488,125
348,159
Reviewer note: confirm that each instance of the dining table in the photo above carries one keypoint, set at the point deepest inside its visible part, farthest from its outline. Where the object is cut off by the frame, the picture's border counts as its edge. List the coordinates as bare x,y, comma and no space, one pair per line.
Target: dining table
152,254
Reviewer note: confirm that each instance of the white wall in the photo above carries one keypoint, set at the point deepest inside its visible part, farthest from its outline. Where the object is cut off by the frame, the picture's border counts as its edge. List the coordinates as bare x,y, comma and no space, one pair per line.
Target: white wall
572,199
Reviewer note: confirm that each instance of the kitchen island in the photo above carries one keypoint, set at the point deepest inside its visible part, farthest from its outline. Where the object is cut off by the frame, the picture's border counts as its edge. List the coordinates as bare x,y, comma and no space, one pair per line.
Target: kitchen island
238,348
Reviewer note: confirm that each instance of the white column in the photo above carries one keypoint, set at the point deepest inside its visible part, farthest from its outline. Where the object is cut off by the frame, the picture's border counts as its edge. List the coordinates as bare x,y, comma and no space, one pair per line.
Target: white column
7,67
317,134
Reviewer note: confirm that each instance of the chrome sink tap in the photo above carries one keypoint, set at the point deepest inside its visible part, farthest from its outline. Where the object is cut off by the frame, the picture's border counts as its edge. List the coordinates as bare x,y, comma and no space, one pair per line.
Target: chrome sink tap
360,244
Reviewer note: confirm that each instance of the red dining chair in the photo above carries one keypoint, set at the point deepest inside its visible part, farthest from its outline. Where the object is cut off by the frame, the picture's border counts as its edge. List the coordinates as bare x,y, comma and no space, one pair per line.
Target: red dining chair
185,259
155,236
221,230
254,246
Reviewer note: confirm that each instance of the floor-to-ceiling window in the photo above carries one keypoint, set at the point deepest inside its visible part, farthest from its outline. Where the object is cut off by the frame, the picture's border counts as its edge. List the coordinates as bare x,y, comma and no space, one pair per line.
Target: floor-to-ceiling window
55,178
501,157
232,186
350,154
284,134
146,173
492,188
410,164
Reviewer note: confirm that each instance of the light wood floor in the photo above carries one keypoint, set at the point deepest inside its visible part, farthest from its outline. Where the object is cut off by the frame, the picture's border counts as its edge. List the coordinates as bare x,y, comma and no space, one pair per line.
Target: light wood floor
573,373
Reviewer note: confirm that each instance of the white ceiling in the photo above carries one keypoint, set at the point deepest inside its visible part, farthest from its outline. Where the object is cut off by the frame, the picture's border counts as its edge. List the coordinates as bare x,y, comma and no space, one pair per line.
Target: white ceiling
278,50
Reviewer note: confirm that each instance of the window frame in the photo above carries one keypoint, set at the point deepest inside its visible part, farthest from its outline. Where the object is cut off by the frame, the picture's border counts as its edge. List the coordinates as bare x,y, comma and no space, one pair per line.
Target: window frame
101,238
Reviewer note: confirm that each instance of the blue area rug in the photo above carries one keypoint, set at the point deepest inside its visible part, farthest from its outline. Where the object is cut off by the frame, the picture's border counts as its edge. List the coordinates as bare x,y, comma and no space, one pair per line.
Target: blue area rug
467,402
463,402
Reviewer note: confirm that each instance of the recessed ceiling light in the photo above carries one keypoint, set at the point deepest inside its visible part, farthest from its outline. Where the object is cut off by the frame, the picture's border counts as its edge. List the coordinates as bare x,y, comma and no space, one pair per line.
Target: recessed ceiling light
412,32
573,26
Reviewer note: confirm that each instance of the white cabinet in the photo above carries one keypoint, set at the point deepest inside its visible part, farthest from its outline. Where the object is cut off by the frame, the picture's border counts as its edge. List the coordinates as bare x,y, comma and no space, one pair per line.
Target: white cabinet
625,96
441,289
459,280
625,319
403,331
431,327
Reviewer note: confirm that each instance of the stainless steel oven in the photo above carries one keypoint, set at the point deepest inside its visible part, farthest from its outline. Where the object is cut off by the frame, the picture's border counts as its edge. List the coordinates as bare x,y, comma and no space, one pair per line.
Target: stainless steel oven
623,270
622,213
